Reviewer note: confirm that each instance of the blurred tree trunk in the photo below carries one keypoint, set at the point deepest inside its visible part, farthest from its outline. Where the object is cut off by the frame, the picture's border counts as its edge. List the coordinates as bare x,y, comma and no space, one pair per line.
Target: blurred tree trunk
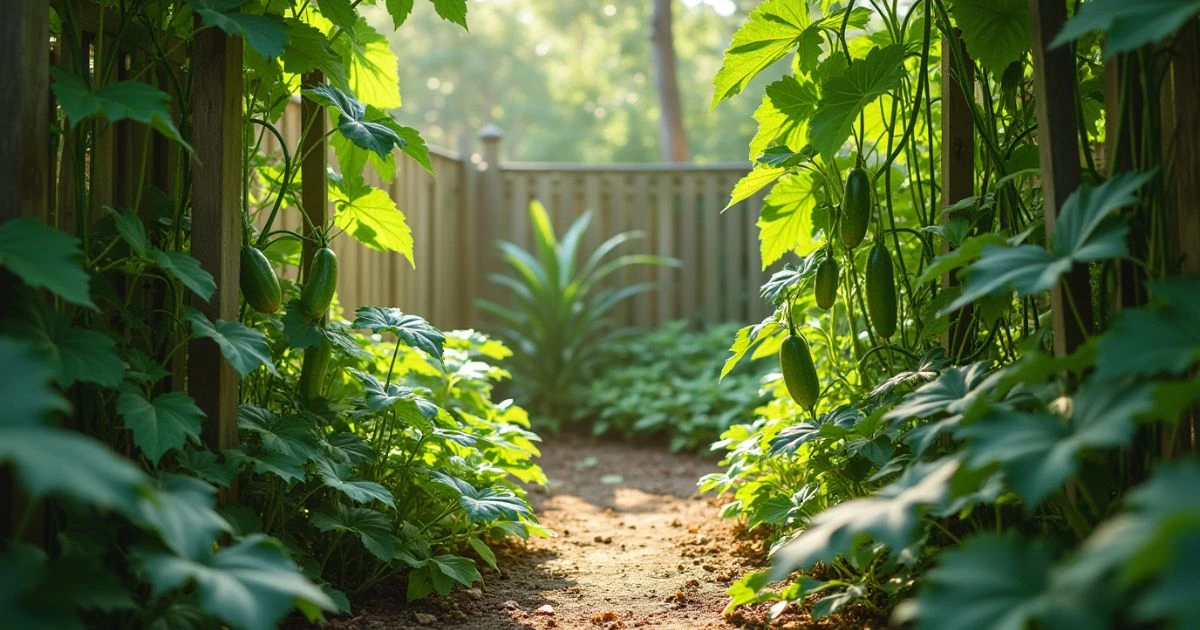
673,138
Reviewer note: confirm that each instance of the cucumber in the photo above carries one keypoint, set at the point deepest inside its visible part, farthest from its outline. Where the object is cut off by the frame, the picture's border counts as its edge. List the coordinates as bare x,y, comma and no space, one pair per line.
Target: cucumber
799,373
319,285
312,373
257,279
856,207
827,281
881,290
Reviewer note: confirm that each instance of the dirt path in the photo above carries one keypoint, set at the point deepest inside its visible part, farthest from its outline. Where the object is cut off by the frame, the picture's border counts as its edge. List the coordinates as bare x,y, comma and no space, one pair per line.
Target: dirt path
636,547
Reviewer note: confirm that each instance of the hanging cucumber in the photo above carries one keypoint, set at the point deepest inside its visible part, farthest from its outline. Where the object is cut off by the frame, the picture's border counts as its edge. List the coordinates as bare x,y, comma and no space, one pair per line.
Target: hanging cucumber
856,207
319,285
827,281
881,290
257,279
799,373
312,373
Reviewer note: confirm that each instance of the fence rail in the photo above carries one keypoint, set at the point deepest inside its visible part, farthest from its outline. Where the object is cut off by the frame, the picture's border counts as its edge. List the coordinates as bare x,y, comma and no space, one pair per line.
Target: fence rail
471,201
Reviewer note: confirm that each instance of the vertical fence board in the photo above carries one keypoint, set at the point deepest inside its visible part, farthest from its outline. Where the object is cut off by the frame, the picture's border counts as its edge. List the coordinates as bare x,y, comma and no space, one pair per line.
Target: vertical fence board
689,236
668,289
735,302
642,220
957,163
710,282
1059,148
216,221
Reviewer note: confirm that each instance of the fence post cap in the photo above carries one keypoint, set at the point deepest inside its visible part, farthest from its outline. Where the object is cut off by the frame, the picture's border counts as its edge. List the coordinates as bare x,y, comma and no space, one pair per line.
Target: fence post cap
491,131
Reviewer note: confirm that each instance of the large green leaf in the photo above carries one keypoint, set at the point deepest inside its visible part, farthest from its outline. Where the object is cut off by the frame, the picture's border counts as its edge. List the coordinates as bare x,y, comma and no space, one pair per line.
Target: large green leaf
759,177
251,584
996,31
1000,582
372,70
785,223
182,511
53,461
1083,233
336,476
340,12
370,216
123,100
844,95
290,436
187,270
1128,25
772,30
308,49
45,258
413,330
452,11
1038,452
25,377
129,225
487,504
890,516
245,348
266,34
373,528
1161,338
76,354
165,423
399,10
783,115
354,123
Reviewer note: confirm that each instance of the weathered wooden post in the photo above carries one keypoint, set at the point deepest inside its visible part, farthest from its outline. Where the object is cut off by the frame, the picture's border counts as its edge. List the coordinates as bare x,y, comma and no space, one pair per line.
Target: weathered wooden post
488,211
1058,144
957,162
314,190
216,220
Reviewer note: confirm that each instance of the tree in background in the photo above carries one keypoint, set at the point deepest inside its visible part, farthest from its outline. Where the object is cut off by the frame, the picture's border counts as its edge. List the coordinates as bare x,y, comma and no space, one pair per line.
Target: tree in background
570,80
674,142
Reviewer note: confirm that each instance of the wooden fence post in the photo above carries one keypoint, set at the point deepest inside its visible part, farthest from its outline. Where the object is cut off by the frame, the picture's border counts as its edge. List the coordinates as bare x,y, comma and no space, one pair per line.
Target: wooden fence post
24,148
216,220
490,200
958,163
1054,90
314,191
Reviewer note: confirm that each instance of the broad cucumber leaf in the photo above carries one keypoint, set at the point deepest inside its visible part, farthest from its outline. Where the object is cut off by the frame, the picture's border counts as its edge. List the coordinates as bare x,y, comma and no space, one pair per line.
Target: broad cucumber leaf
364,131
76,354
1161,338
781,283
1128,25
123,100
251,584
245,348
340,12
772,30
1001,582
290,436
54,461
413,330
308,49
996,31
452,11
761,176
487,504
206,465
129,225
182,511
187,270
785,223
25,377
1084,232
783,115
399,10
373,528
370,216
372,70
160,425
844,95
890,516
45,258
266,34
336,476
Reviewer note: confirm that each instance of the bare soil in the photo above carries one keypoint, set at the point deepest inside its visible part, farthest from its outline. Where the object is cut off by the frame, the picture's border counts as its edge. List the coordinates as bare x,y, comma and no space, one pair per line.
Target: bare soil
636,546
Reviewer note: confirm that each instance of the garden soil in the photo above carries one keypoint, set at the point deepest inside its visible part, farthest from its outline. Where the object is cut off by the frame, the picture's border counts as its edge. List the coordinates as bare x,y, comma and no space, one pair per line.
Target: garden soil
636,546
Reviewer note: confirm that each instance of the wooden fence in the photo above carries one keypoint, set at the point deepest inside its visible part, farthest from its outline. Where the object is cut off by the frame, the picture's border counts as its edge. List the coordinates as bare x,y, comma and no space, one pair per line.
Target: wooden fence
471,201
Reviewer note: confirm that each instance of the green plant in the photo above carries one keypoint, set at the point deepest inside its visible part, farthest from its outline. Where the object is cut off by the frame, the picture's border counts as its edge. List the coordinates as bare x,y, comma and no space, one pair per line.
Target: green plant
664,382
558,317
118,522
973,461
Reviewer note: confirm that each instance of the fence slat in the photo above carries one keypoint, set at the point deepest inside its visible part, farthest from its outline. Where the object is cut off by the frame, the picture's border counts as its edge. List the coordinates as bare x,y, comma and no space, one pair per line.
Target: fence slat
735,302
711,269
216,221
668,290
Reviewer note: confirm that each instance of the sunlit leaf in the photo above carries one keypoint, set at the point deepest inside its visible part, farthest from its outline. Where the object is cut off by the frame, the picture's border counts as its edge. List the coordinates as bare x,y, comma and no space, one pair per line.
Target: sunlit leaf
844,95
771,31
785,224
413,330
996,31
373,528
